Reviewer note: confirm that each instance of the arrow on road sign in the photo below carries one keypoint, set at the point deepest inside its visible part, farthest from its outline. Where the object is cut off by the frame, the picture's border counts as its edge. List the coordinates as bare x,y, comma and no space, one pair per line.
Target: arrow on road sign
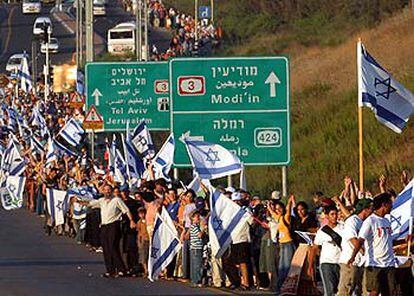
96,94
272,79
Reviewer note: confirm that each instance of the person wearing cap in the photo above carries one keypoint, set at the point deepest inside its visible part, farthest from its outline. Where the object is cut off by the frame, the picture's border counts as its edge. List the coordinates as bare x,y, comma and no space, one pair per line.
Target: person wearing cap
240,253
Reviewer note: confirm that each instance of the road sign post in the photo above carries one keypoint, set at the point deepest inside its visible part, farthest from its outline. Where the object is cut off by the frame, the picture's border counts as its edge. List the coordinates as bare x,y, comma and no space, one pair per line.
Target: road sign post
131,92
240,103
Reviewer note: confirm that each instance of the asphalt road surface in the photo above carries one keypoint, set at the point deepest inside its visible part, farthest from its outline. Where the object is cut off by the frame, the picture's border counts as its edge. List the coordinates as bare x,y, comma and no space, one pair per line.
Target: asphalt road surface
34,264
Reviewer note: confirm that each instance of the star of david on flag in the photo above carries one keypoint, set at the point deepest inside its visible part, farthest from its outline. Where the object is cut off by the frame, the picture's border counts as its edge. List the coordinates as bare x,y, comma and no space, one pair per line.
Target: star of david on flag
57,205
391,102
402,211
164,244
211,161
226,221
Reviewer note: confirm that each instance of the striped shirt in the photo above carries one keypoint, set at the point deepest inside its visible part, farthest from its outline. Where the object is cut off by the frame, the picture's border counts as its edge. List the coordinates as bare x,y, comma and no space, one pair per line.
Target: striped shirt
196,243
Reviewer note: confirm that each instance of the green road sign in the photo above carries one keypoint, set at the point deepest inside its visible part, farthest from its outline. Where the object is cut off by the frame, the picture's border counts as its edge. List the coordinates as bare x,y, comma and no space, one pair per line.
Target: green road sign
239,103
133,92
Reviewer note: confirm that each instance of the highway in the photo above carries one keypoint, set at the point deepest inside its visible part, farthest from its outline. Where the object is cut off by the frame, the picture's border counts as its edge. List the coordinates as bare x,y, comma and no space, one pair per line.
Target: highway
16,32
37,265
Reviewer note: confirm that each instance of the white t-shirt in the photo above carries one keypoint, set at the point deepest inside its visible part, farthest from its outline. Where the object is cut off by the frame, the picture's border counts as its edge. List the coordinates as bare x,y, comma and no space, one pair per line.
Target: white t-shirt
330,252
376,231
351,229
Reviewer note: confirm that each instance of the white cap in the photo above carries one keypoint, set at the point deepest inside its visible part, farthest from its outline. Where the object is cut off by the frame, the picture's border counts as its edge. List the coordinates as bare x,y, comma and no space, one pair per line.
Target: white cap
275,195
235,196
230,189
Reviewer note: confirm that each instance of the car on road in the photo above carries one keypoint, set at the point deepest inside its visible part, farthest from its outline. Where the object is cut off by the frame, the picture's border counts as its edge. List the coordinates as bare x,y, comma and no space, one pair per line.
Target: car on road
99,8
53,46
14,62
31,6
121,38
38,26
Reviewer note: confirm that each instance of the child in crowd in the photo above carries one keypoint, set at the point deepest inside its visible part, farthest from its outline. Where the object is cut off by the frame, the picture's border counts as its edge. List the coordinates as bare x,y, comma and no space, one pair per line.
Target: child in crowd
142,240
196,249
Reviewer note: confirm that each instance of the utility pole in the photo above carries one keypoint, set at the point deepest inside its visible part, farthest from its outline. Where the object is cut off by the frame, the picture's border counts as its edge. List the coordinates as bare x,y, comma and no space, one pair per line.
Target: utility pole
195,20
77,32
81,6
146,29
48,32
138,30
89,30
212,11
34,65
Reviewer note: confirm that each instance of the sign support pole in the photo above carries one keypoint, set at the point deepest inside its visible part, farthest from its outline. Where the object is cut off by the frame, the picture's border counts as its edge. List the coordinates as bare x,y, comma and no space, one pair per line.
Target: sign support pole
284,181
229,181
93,145
176,173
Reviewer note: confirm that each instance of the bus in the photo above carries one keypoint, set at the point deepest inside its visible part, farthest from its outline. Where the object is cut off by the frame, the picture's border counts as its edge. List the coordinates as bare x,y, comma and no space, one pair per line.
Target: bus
121,39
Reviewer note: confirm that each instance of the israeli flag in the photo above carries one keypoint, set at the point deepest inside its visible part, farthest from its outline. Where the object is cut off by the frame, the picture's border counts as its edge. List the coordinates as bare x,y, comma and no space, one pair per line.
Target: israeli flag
13,164
80,83
51,152
391,102
72,132
164,245
38,120
117,164
13,117
142,141
84,192
36,146
57,205
212,161
195,185
63,150
24,75
401,213
136,166
12,194
226,221
163,161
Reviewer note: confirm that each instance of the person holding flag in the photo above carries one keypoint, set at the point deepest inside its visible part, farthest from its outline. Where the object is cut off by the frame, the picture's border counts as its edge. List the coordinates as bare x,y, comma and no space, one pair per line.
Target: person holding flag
112,208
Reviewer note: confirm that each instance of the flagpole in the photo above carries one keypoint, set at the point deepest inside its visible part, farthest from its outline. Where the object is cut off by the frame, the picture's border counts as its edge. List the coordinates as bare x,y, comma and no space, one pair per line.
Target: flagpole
360,125
126,158
410,233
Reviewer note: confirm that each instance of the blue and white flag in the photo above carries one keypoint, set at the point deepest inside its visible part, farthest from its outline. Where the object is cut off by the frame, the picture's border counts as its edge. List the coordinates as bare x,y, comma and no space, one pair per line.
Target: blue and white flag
164,159
62,150
36,146
226,221
136,166
12,194
142,141
117,164
13,164
80,83
57,205
38,120
13,117
195,185
164,245
392,103
72,132
402,211
51,152
84,192
212,161
24,75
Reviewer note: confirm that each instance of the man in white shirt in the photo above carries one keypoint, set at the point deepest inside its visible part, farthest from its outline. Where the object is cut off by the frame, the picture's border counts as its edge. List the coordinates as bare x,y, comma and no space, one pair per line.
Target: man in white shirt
328,239
375,234
350,280
112,209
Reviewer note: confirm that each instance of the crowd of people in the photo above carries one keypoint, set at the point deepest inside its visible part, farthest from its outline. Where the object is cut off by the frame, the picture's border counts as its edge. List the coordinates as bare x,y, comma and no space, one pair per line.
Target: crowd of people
331,240
184,41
